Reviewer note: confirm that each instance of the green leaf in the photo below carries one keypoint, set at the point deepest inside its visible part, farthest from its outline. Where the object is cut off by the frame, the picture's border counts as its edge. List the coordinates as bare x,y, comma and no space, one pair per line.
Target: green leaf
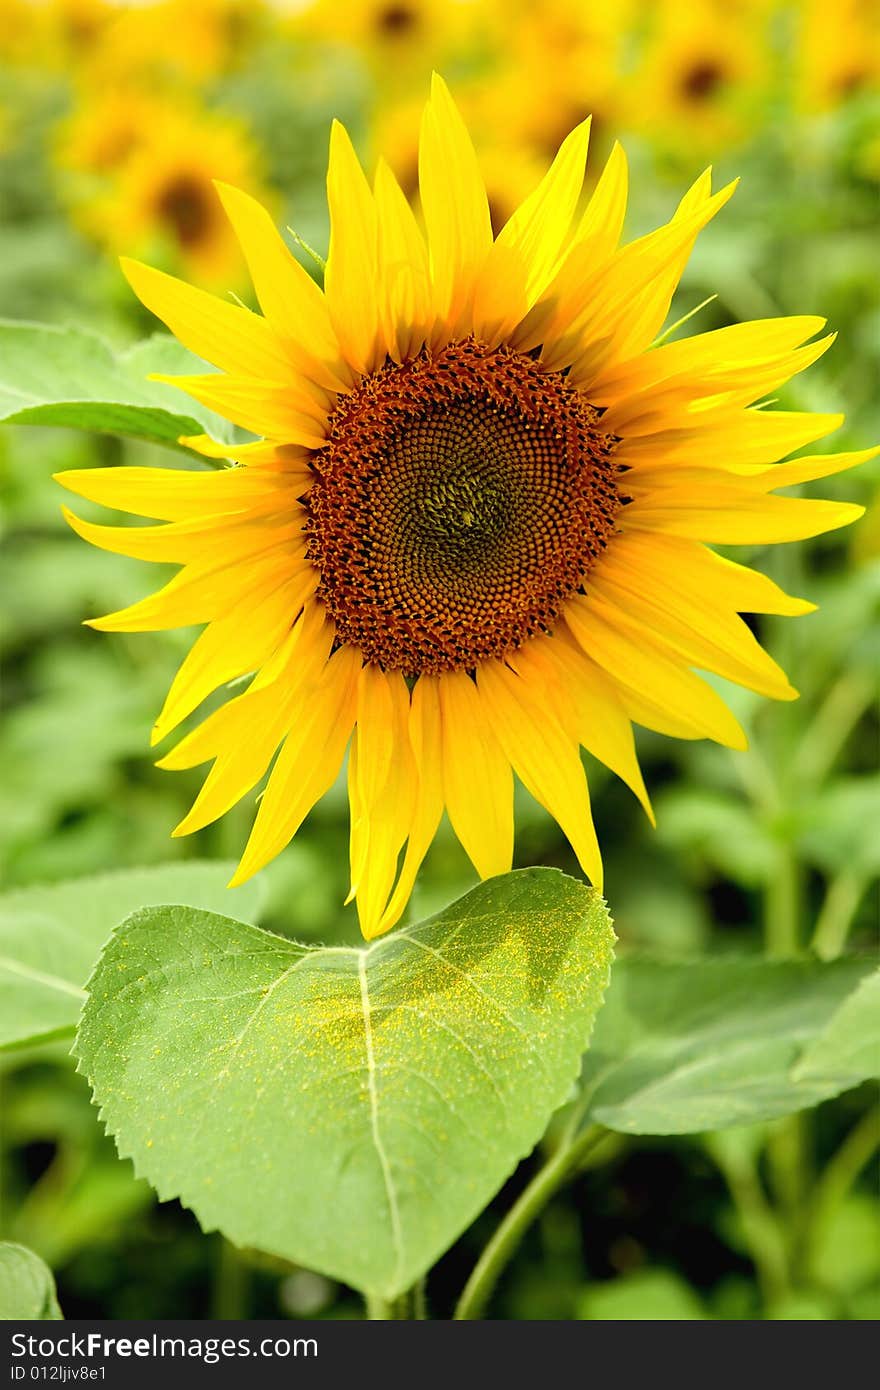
840,827
650,1295
718,829
351,1110
50,936
27,1289
681,1048
71,377
847,1050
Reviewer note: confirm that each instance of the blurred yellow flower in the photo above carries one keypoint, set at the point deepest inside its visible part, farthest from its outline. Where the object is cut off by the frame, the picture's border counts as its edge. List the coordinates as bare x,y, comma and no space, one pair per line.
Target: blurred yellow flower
473,536
400,39
702,74
162,197
105,126
171,40
837,54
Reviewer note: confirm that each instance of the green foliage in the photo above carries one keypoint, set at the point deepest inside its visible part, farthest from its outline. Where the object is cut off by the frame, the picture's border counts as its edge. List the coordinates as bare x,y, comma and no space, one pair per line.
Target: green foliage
350,1109
848,1048
71,377
50,936
680,1048
653,1295
27,1289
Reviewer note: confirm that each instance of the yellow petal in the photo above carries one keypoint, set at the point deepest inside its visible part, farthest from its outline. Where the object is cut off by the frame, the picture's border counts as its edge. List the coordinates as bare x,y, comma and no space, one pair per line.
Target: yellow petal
807,470
308,763
174,494
281,458
298,661
477,782
687,624
203,590
404,277
425,732
627,652
749,436
352,265
626,311
597,312
225,334
545,758
231,646
455,208
243,734
585,701
602,222
184,541
288,295
261,407
383,792
738,346
732,585
729,515
526,252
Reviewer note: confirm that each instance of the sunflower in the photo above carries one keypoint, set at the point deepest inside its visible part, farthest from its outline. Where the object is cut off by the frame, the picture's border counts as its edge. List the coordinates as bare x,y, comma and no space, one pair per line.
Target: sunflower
702,75
472,537
399,40
509,169
162,196
105,127
169,41
837,54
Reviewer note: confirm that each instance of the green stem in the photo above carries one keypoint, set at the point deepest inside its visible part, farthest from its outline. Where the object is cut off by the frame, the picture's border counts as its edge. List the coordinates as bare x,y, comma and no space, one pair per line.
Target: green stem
420,1300
390,1309
231,1288
788,1153
782,905
840,1173
760,1227
836,915
561,1165
831,726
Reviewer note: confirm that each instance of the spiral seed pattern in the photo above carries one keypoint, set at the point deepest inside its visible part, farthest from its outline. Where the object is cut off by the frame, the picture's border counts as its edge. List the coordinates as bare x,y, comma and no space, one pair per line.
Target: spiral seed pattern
461,498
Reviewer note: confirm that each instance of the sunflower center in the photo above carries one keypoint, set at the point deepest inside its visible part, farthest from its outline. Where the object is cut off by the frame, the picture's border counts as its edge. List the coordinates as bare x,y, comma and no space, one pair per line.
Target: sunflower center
702,80
394,20
184,205
461,498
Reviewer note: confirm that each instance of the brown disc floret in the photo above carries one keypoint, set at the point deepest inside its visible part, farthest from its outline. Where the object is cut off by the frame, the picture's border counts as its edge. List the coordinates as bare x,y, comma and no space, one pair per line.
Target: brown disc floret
461,498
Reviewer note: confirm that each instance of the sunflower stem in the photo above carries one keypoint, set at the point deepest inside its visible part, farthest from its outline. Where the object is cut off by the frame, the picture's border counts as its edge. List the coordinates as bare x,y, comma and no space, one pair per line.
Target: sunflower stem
559,1167
782,906
836,915
391,1309
231,1285
760,1224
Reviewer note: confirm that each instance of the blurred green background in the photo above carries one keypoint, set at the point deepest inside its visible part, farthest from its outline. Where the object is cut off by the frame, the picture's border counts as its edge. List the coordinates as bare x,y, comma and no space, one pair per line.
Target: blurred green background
113,121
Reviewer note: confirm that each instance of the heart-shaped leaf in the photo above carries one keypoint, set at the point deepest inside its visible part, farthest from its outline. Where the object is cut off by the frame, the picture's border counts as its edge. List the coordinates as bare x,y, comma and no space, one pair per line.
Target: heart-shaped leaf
50,936
27,1289
67,376
685,1047
350,1109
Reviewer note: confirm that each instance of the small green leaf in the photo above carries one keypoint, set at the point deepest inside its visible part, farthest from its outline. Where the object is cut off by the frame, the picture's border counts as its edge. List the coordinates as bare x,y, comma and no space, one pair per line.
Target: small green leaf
847,1050
349,1109
50,936
650,1295
27,1289
681,1048
71,377
840,827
